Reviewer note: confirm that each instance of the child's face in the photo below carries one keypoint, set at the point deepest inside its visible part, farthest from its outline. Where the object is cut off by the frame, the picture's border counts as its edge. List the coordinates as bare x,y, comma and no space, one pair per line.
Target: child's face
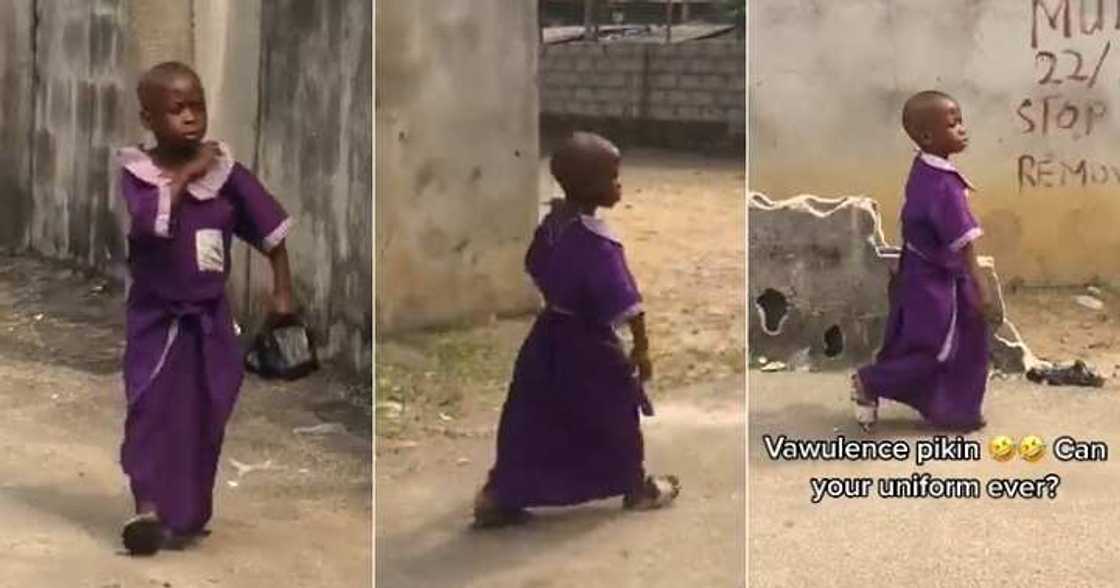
945,131
611,191
176,114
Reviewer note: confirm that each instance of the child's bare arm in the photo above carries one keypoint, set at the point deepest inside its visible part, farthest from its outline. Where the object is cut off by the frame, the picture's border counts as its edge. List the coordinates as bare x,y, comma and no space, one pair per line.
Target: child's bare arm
988,303
640,354
281,280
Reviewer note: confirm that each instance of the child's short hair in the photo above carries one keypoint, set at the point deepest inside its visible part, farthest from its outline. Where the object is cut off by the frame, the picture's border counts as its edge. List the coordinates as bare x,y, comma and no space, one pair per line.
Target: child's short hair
573,157
915,113
158,76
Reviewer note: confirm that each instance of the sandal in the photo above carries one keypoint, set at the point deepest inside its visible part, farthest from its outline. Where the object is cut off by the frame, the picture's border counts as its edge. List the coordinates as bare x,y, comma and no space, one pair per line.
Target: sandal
142,534
866,408
488,515
657,492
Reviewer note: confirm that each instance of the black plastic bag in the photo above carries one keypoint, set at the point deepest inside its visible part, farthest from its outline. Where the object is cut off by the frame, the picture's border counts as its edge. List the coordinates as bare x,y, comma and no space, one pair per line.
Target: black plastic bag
1077,373
283,349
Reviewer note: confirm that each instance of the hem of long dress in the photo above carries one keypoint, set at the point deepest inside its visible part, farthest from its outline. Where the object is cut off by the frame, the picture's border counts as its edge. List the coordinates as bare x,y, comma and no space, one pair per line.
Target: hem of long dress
517,498
919,407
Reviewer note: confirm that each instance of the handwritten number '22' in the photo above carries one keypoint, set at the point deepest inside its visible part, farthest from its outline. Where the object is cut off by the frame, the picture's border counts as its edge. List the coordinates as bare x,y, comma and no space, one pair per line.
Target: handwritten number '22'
1052,62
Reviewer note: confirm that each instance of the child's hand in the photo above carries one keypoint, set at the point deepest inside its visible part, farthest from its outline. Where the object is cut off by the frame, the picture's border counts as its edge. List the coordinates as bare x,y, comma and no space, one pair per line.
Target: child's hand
639,357
197,166
990,307
202,162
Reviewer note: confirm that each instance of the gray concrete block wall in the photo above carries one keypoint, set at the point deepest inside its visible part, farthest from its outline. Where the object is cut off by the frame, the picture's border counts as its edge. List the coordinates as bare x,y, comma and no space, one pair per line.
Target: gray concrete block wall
68,70
700,81
315,152
80,96
17,62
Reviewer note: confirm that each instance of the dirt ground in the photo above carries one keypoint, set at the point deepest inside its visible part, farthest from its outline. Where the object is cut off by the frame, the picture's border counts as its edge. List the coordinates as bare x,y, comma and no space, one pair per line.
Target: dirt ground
1057,328
439,394
291,509
1070,540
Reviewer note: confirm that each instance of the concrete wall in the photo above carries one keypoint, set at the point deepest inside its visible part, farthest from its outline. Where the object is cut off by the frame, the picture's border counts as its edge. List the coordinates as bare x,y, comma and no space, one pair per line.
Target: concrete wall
17,55
69,69
315,153
226,45
81,98
701,81
828,80
818,282
456,154
571,11
816,265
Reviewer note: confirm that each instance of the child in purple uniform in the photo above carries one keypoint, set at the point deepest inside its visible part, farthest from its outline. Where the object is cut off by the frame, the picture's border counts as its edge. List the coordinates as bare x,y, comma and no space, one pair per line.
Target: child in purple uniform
935,352
182,364
569,430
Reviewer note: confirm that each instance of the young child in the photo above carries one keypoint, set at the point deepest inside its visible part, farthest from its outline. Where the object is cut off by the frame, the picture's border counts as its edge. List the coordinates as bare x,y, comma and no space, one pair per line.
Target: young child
569,430
182,360
935,351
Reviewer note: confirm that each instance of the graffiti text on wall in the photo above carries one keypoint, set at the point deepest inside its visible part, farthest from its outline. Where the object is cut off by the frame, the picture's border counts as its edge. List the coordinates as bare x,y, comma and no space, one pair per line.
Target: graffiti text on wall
1074,113
1049,172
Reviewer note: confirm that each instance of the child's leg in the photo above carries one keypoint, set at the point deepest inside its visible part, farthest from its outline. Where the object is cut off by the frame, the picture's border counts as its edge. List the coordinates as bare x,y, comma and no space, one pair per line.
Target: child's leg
957,402
143,534
191,460
865,405
165,453
909,379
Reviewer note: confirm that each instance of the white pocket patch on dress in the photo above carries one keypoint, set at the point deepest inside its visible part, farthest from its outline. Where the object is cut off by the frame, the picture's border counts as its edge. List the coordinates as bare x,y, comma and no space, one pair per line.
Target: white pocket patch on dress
210,250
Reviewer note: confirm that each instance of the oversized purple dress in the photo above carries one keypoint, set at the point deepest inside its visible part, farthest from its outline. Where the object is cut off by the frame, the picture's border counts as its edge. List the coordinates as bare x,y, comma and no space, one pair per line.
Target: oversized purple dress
569,430
182,361
934,356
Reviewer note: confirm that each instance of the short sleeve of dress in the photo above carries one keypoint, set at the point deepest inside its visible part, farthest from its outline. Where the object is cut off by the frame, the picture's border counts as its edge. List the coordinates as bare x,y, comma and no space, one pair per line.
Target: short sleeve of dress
149,207
614,294
952,220
261,221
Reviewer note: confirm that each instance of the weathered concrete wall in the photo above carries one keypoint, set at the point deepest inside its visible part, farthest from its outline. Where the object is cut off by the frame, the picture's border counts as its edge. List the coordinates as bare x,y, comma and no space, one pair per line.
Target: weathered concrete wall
457,108
818,285
60,194
160,31
17,55
227,56
87,57
828,80
81,90
816,265
315,154
700,81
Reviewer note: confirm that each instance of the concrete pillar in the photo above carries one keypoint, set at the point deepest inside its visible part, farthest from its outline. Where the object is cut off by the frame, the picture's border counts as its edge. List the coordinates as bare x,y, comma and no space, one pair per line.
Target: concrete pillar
227,47
161,31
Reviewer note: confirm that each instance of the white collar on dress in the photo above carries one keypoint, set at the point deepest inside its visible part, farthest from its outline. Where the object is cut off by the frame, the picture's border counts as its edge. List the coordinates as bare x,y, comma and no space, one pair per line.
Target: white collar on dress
140,164
943,164
599,227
